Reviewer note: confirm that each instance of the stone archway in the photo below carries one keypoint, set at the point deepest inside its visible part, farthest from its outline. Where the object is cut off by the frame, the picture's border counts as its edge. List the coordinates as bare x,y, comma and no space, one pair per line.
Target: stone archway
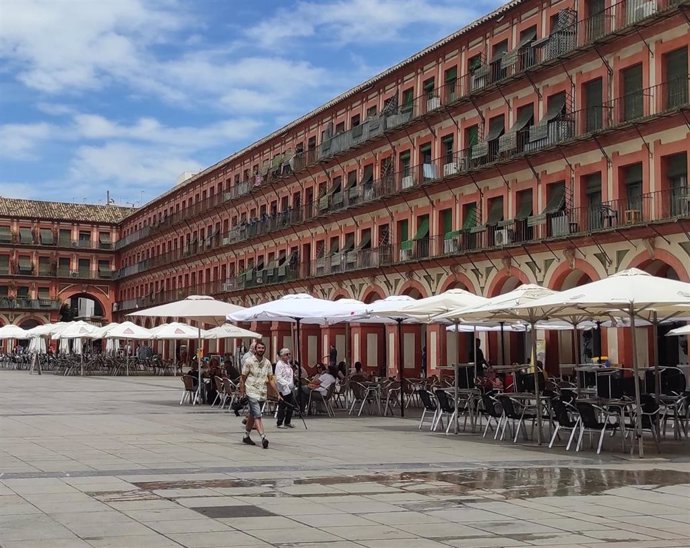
82,306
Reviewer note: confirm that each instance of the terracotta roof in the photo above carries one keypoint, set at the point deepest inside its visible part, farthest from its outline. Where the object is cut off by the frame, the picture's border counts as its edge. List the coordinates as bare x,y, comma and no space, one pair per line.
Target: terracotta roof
35,209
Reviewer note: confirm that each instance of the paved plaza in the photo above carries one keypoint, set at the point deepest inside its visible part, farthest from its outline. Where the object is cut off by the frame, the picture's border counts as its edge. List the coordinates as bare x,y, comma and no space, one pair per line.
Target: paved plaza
116,462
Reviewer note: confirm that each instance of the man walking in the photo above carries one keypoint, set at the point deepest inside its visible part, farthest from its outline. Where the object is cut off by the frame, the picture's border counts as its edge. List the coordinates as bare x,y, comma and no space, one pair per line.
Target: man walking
285,379
257,374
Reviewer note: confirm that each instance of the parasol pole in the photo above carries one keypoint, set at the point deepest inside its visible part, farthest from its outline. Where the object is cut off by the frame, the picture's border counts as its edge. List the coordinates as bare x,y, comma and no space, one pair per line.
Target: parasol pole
638,403
457,372
298,354
401,367
537,392
503,344
657,372
198,363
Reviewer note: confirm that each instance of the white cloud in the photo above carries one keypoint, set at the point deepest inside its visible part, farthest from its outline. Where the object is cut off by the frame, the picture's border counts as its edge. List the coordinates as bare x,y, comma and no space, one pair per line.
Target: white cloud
129,168
150,130
358,21
61,45
20,141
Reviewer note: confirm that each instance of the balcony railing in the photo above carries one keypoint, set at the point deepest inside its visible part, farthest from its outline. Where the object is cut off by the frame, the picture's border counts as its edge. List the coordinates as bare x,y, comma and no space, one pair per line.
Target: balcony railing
25,303
38,242
657,100
660,206
562,42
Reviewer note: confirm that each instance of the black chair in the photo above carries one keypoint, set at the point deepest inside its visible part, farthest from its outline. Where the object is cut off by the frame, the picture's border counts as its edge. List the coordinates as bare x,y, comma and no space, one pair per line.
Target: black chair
650,417
430,406
514,410
563,416
492,410
590,421
446,408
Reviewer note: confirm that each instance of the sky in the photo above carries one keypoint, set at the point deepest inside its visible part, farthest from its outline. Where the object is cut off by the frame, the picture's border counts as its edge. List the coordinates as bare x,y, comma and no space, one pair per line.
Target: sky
126,95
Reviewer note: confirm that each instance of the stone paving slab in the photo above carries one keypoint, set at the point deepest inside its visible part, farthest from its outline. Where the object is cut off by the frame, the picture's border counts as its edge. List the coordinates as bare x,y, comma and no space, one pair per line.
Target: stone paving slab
116,462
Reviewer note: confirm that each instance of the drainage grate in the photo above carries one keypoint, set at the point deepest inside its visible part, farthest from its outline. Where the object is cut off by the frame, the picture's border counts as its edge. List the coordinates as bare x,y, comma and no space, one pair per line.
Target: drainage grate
233,511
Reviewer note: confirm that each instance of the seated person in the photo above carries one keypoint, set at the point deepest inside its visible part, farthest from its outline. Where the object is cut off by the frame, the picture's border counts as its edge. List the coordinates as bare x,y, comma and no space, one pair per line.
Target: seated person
231,371
320,384
342,370
357,370
194,372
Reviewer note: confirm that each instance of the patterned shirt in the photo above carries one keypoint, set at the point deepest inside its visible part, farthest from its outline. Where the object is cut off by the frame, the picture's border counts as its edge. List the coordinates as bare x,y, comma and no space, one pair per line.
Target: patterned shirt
257,374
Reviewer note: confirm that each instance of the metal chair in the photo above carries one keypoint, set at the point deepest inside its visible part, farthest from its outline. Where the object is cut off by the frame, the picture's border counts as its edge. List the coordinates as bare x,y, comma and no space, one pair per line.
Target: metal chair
515,410
430,406
590,422
189,391
563,415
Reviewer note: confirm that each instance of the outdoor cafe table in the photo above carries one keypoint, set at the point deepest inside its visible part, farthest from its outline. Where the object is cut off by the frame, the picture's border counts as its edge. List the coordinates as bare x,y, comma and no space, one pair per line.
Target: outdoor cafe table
600,371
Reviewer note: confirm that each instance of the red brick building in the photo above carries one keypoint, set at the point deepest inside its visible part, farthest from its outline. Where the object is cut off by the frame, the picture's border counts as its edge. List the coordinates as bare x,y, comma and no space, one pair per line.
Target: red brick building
546,142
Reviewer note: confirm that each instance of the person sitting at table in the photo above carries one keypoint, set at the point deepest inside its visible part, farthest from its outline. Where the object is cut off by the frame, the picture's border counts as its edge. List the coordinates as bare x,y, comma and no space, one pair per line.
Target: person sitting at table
194,372
342,370
320,384
357,370
231,371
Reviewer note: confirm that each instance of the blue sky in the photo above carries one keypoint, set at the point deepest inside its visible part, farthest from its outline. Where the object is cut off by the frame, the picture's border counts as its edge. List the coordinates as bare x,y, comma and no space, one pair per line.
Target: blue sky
126,95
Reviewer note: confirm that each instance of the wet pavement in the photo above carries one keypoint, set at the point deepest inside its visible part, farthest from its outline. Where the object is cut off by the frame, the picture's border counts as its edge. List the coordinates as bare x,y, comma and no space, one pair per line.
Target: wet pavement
116,462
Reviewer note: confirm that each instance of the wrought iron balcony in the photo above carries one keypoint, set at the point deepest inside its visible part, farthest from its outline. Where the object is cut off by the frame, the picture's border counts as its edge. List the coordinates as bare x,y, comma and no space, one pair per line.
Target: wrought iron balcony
25,303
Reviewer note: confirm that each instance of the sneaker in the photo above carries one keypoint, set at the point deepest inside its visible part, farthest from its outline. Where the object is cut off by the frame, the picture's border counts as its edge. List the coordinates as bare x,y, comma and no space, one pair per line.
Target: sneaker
289,426
264,443
283,426
248,441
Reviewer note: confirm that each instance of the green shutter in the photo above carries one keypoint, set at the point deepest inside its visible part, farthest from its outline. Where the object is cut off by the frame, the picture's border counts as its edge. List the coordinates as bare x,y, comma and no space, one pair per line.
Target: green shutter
422,227
470,219
403,231
472,136
677,64
524,205
632,79
495,211
451,75
447,220
556,201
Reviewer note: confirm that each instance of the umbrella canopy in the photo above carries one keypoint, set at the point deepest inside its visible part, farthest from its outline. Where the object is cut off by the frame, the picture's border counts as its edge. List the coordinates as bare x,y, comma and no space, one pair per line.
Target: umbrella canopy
101,332
518,327
502,307
75,330
229,331
128,330
47,329
11,331
425,309
685,330
200,308
176,331
299,306
631,289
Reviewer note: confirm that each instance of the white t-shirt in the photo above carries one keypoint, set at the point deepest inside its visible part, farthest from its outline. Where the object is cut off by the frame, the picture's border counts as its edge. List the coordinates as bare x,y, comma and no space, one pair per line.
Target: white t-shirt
325,381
